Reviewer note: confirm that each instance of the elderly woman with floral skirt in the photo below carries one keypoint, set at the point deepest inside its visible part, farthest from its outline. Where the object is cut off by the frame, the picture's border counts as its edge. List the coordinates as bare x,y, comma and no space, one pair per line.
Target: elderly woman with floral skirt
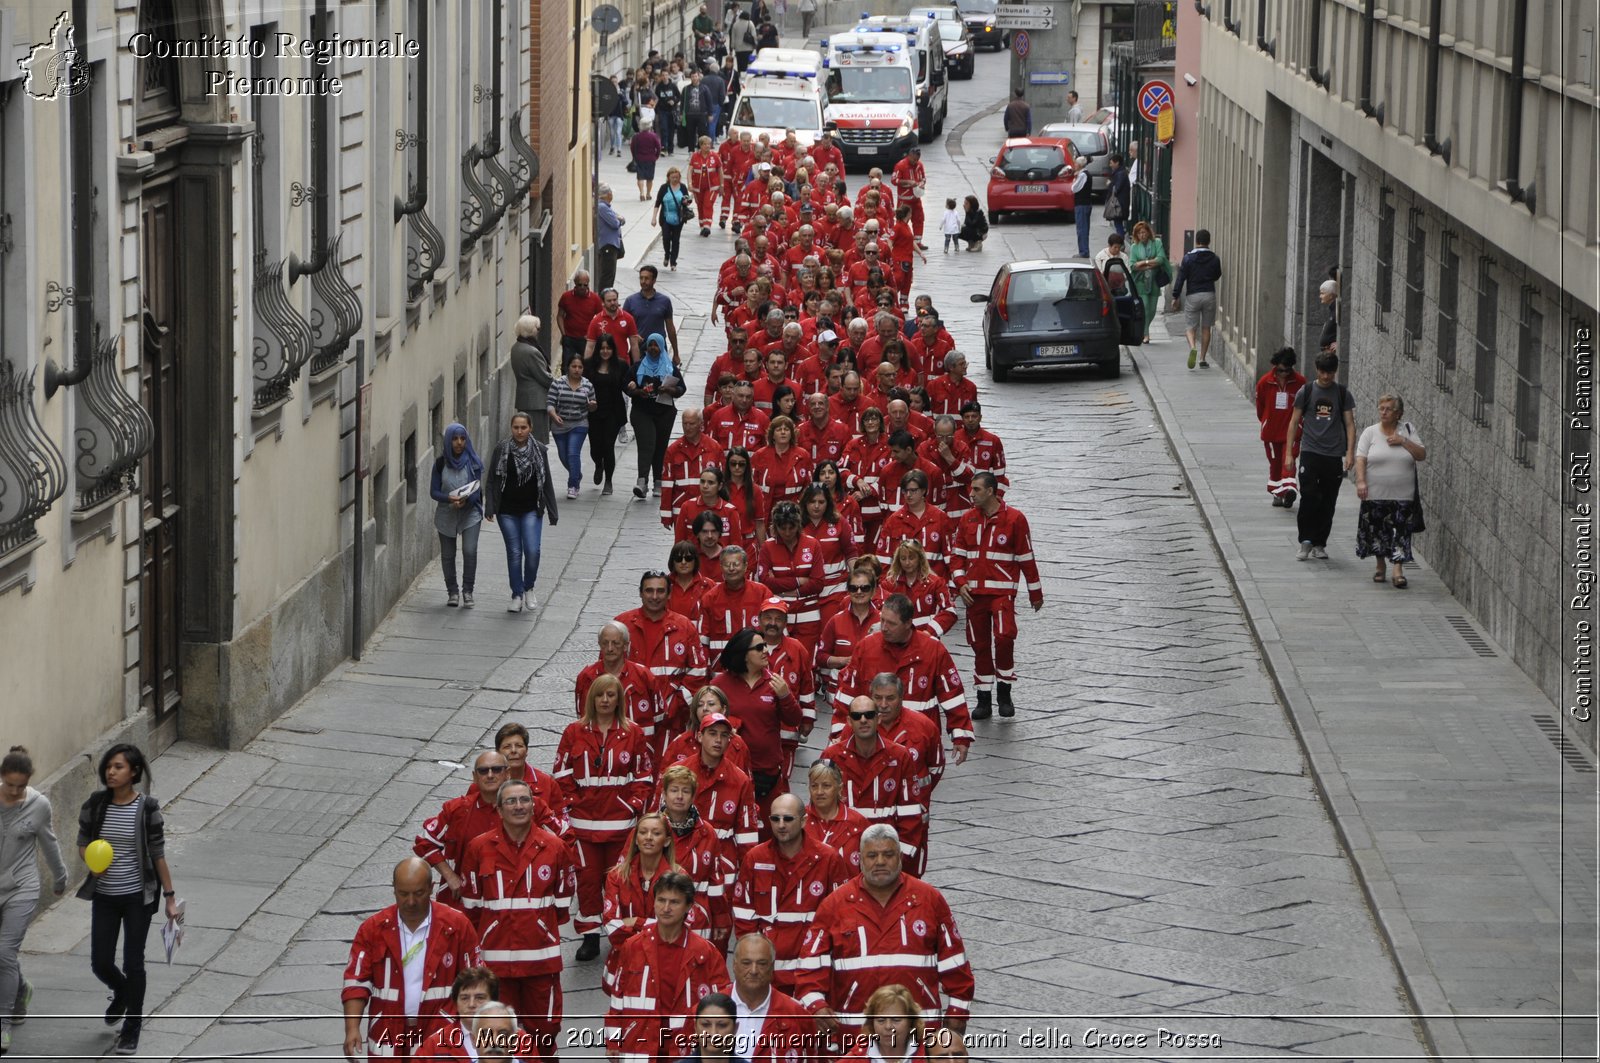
1387,454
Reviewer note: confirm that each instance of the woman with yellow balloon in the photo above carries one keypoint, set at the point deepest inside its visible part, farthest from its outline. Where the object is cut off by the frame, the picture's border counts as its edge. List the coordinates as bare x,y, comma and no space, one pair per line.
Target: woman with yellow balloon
24,834
123,843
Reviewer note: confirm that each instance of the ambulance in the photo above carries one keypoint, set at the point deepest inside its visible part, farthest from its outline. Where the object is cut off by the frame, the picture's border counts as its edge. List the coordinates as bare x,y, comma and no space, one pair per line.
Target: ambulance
780,91
870,95
929,66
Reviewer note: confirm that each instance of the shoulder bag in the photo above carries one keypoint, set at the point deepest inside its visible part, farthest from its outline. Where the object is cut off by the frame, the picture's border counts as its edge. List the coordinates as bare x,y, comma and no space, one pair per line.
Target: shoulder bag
1418,523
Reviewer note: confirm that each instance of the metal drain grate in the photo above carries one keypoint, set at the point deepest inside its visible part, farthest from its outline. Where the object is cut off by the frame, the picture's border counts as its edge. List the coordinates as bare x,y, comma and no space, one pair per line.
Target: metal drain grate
1470,636
1569,752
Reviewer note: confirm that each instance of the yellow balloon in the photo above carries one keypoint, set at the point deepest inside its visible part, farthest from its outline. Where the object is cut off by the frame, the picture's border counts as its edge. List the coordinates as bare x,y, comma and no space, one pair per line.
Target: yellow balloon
98,855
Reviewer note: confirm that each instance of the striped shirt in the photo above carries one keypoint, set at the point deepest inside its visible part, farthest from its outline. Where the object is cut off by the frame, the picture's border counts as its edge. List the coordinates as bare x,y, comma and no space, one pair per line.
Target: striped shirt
572,404
121,829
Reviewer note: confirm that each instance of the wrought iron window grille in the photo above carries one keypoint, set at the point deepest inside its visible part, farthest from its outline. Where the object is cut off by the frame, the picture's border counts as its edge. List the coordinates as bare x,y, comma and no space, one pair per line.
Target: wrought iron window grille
33,473
113,431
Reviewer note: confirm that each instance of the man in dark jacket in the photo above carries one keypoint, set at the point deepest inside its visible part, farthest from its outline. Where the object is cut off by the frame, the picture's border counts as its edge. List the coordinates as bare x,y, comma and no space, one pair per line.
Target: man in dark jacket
716,88
696,110
1119,194
1196,287
1019,116
668,102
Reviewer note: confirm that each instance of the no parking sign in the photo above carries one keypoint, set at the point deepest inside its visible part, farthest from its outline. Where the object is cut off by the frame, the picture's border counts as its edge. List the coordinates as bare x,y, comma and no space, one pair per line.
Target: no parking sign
1020,43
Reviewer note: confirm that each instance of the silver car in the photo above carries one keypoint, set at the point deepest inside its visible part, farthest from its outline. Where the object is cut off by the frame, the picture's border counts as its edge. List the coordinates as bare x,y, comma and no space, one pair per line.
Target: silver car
1093,142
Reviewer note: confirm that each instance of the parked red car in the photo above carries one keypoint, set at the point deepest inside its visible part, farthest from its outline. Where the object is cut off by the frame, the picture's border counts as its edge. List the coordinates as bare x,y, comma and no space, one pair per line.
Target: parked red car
1031,174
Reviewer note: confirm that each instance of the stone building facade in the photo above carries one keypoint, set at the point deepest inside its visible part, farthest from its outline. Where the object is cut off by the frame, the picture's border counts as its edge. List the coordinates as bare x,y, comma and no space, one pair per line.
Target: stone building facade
1443,156
189,273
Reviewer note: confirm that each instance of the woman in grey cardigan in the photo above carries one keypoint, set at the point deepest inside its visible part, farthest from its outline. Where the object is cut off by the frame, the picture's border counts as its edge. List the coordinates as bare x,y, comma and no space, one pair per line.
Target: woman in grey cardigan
459,512
24,828
531,366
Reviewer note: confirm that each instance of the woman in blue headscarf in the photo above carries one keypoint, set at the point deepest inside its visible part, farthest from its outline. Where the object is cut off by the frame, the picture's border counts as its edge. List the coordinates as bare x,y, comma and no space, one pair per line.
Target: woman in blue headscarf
457,487
656,384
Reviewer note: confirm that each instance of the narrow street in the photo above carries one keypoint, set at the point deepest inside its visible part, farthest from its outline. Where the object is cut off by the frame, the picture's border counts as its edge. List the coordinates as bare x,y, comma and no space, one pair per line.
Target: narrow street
1141,861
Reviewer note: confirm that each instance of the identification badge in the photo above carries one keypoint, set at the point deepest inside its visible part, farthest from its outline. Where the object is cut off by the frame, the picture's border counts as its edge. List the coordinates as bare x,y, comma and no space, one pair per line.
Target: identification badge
1283,400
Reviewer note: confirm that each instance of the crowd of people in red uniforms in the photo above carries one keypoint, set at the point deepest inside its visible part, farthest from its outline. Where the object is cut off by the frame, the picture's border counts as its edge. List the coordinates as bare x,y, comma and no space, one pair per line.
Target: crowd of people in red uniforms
833,507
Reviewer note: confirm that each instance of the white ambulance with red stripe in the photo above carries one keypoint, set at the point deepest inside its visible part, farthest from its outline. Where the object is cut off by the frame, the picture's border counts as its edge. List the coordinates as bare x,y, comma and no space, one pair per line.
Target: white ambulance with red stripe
871,94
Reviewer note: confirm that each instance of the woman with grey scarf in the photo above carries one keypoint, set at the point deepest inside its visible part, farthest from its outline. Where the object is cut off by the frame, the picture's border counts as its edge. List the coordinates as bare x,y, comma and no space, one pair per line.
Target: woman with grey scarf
517,496
24,833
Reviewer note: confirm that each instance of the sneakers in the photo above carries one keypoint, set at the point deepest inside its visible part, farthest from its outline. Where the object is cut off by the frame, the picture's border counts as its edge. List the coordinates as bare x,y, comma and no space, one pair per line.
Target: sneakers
1288,499
1193,354
705,230
1277,502
1319,553
466,600
572,492
127,1043
515,606
590,949
1003,699
1305,552
641,487
983,711
19,1011
531,599
452,601
116,1011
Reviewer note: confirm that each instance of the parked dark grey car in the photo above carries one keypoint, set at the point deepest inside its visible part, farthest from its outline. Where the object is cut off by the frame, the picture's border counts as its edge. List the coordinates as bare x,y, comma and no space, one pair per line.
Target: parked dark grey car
1045,312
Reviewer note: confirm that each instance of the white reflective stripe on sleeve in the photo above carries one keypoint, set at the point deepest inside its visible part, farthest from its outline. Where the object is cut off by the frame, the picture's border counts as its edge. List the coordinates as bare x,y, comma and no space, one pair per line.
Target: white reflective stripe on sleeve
811,1000
635,1003
909,810
600,824
438,992
518,904
385,992
813,963
963,1005
952,962
746,914
746,837
492,956
792,917
606,780
358,983
892,959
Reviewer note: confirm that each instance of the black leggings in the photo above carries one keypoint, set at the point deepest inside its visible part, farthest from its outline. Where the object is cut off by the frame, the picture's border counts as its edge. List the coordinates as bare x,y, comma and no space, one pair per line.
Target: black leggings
603,428
671,240
128,916
652,429
1321,477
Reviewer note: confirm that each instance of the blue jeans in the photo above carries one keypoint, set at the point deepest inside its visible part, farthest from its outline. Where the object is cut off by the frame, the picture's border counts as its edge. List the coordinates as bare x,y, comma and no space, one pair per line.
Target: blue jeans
569,448
613,141
522,533
1083,214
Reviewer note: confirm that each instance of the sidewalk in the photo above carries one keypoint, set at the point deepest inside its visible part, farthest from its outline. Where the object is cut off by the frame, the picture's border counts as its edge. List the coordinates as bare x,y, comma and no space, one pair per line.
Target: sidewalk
1473,834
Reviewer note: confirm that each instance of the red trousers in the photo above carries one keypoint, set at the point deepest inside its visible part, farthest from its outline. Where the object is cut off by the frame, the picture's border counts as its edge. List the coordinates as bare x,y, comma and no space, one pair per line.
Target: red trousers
992,634
704,201
594,860
916,216
1280,481
537,1002
727,200
902,279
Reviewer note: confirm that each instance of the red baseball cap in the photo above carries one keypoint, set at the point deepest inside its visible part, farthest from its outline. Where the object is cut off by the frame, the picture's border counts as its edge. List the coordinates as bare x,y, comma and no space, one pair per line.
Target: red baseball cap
775,603
715,718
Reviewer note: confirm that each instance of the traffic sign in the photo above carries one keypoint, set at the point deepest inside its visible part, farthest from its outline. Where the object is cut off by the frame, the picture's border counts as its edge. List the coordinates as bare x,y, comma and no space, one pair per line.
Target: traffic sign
1155,96
1019,44
606,19
1049,77
1025,16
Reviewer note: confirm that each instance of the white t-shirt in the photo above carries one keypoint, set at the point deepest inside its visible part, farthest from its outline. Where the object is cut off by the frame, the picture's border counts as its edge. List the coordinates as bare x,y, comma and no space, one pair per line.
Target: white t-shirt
414,954
750,1020
1391,471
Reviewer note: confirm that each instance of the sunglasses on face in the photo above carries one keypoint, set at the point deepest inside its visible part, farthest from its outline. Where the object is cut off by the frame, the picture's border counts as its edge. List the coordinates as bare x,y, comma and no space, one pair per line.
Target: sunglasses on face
860,588
496,770
871,714
783,819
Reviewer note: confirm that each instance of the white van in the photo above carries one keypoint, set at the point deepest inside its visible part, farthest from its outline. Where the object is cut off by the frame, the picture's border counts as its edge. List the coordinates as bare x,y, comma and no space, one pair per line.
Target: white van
780,92
871,96
929,66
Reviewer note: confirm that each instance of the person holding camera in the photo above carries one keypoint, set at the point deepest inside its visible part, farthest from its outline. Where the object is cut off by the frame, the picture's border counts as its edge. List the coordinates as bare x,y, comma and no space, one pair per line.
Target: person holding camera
655,387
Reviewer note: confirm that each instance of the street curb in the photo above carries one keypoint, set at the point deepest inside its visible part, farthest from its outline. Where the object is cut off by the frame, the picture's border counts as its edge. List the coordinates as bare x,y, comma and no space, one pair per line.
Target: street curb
1424,996
953,140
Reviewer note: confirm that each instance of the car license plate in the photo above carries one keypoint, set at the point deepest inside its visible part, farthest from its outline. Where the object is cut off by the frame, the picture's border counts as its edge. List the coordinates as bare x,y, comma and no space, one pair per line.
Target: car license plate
1036,189
1055,350
866,151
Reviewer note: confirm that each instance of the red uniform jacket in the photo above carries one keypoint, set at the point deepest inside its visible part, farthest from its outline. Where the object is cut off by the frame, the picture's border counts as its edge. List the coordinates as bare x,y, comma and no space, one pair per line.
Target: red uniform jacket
762,716
780,568
792,660
788,1036
705,171
518,897
862,460
730,429
932,529
670,648
724,613
782,476
824,444
703,858
727,801
842,833
848,413
444,837
776,897
955,496
741,497
680,472
764,387
734,532
935,609
927,674
841,634
947,394
890,472
994,555
882,787
654,987
1275,404
920,735
608,777
988,454
376,973
641,701
932,354
863,945
686,600
736,160
631,897
840,540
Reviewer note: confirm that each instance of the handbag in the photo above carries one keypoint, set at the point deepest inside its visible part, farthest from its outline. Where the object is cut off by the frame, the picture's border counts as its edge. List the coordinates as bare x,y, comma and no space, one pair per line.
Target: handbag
685,207
631,168
1114,209
1161,276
